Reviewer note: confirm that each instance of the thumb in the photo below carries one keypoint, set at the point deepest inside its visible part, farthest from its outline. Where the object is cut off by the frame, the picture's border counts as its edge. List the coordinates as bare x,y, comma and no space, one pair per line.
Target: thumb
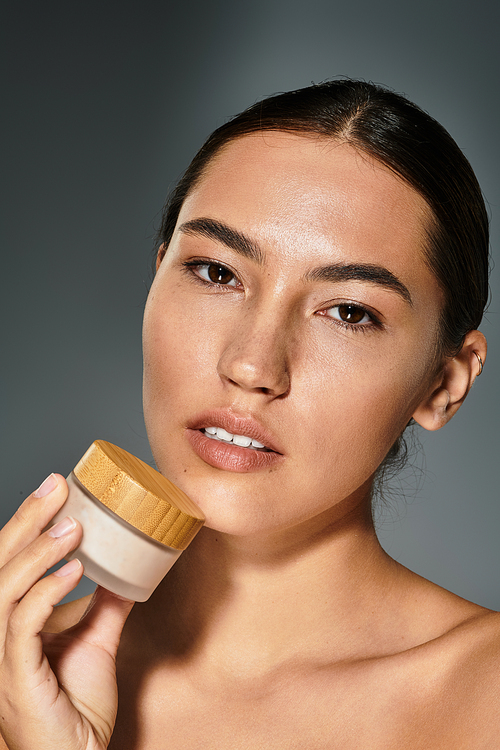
103,622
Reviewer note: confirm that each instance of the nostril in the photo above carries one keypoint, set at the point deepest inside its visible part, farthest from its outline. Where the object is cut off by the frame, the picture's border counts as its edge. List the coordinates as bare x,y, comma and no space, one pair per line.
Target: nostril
257,362
277,386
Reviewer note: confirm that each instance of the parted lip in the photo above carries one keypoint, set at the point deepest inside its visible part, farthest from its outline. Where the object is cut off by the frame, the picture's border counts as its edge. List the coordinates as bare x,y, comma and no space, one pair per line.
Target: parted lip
236,425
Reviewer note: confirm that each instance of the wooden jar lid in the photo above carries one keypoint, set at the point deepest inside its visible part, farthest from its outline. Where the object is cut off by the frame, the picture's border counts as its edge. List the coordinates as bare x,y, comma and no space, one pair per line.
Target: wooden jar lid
140,495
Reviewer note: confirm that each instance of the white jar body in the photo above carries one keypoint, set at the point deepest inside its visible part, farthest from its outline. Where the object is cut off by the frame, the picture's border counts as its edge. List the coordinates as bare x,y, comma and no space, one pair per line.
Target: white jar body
114,553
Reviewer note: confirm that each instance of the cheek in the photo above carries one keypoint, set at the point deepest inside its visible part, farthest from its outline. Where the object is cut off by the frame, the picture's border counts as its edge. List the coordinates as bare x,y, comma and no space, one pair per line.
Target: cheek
358,412
178,358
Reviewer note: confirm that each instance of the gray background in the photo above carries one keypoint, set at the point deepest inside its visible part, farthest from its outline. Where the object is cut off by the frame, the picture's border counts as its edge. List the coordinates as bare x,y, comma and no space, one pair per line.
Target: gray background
104,104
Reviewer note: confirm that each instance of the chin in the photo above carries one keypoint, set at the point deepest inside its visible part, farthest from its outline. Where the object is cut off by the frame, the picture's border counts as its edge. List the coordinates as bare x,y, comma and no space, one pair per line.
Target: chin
236,516
240,515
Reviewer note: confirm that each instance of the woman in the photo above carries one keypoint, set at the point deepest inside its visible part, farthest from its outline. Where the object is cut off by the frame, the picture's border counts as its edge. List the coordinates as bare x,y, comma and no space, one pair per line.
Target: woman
321,274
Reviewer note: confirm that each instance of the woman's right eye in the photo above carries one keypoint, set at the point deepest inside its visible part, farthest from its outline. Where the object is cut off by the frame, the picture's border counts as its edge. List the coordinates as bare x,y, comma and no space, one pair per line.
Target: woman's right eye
213,273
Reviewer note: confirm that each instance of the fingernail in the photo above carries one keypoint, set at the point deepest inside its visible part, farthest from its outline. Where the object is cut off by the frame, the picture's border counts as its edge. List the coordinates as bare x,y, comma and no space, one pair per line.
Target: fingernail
69,568
63,527
46,486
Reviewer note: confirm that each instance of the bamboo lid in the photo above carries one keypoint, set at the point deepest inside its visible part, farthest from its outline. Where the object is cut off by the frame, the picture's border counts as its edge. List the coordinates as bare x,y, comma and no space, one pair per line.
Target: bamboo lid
140,495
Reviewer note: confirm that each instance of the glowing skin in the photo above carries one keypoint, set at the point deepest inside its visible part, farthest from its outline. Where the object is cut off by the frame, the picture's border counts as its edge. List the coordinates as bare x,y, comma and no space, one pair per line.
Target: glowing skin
261,347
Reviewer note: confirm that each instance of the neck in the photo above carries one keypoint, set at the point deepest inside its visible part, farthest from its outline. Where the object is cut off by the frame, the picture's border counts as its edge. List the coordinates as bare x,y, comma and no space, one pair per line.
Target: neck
262,601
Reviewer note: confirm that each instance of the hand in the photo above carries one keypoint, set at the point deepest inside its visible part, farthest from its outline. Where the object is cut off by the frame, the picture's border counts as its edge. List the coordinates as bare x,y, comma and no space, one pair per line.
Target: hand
57,691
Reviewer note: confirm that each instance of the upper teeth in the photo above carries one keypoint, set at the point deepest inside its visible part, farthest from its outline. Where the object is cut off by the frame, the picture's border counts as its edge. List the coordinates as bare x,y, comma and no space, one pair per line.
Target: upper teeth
228,437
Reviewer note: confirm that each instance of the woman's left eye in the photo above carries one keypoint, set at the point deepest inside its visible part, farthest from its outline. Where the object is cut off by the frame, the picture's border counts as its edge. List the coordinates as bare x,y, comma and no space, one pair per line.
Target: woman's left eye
213,273
350,314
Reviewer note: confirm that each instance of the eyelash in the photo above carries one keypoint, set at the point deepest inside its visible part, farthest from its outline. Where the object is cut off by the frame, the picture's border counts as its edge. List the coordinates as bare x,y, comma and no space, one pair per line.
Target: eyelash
192,266
192,269
372,324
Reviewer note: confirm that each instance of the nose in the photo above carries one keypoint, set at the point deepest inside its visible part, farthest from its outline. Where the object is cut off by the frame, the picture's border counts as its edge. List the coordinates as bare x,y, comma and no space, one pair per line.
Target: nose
256,357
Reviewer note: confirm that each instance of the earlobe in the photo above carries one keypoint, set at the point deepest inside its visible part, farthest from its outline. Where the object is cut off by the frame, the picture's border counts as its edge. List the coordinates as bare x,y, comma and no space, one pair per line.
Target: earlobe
448,391
434,411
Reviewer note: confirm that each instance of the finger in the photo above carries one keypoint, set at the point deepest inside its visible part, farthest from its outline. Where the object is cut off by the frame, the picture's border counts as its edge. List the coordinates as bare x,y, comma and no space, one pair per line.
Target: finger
103,622
23,571
23,657
32,516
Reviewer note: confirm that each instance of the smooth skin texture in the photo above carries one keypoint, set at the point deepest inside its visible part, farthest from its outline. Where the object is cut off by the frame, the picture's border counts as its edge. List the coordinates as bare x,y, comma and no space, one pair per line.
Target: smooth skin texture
284,624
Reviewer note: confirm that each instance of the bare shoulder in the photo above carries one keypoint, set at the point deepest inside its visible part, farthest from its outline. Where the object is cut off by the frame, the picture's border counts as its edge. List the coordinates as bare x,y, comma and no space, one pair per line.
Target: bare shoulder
477,644
66,615
460,639
462,670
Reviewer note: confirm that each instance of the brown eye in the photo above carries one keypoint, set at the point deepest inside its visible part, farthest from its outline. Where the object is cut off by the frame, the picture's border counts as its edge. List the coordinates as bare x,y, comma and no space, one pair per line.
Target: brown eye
213,273
219,274
351,314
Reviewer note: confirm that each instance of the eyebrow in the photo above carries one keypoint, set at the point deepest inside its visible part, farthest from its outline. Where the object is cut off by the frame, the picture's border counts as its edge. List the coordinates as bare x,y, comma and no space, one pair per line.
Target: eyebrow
218,231
361,272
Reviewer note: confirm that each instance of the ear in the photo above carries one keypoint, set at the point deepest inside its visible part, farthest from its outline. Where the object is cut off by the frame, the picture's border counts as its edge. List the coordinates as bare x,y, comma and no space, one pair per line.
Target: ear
452,384
161,253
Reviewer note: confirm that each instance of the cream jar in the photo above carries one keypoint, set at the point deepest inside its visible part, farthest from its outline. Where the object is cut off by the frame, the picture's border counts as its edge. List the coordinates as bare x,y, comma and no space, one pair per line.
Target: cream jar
135,522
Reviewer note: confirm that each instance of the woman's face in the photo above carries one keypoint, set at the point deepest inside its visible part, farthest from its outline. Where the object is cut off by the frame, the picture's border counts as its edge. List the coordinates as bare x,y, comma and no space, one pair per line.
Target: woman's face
293,308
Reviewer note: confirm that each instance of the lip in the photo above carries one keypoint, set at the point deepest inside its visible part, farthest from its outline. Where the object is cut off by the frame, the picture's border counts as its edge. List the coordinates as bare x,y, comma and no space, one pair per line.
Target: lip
228,456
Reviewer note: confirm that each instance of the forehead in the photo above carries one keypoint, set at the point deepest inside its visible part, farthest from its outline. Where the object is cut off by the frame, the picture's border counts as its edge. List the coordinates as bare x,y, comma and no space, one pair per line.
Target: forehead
306,196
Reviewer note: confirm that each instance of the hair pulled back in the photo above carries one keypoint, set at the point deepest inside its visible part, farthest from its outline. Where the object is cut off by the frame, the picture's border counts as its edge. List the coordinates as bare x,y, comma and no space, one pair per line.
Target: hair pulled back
414,146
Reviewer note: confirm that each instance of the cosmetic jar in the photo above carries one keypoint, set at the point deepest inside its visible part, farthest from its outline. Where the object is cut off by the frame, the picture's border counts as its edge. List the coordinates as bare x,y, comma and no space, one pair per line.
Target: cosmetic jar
135,522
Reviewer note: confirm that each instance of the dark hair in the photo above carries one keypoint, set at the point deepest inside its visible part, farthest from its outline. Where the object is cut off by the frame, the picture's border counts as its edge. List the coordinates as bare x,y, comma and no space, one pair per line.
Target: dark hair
408,141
